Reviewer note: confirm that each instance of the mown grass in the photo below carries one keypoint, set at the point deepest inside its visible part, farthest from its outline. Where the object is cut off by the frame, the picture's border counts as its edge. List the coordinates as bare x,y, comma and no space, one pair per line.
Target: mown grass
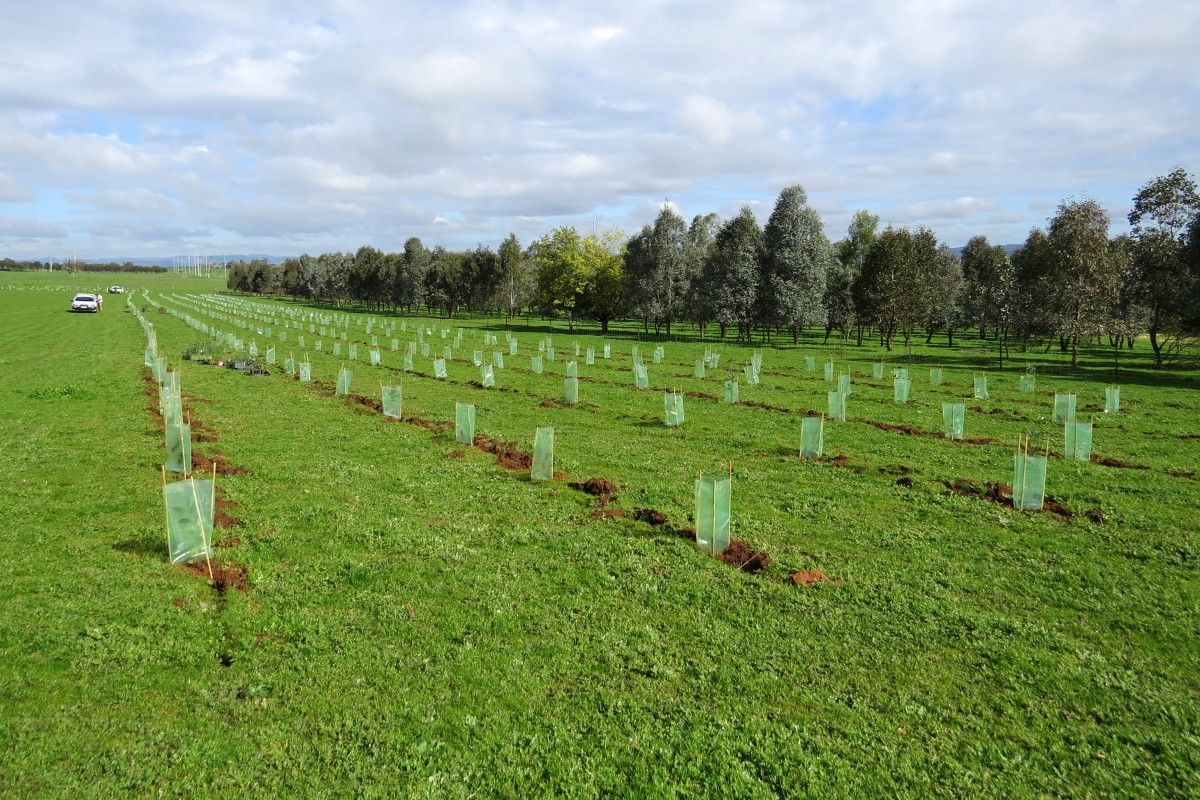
421,624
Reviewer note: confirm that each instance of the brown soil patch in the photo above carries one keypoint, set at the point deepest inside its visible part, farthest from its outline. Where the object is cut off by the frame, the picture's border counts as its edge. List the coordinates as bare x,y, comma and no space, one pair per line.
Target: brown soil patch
179,602
1188,437
549,403
225,576
203,433
1095,515
204,463
1179,473
703,396
741,556
1001,494
839,460
811,577
764,406
905,481
457,454
1108,461
907,430
650,516
221,516
362,401
597,487
232,541
508,455
608,513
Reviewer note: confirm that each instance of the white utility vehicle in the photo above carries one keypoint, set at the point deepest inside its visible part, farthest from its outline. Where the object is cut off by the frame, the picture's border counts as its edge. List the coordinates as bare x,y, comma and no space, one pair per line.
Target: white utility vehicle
116,290
85,302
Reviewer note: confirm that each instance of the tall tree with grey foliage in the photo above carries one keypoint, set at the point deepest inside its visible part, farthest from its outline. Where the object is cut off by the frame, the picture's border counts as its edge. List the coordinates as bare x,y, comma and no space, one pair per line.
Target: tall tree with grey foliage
795,262
1084,276
729,278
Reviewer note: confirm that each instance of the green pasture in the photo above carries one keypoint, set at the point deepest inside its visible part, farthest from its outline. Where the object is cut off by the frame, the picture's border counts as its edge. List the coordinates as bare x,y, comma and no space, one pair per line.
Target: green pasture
420,621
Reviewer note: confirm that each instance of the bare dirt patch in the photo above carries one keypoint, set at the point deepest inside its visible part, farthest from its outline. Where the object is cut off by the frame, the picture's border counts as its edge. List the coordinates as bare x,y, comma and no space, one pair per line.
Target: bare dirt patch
1001,494
1179,473
811,577
608,513
597,487
1108,461
202,462
650,516
508,455
1095,515
359,401
741,556
224,576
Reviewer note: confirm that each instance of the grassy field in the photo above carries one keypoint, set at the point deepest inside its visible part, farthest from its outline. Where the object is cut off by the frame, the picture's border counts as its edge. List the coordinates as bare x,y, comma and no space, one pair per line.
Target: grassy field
419,621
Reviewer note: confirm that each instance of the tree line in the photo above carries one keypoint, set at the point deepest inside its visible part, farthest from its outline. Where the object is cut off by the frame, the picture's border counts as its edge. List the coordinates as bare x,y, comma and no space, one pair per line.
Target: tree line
1068,284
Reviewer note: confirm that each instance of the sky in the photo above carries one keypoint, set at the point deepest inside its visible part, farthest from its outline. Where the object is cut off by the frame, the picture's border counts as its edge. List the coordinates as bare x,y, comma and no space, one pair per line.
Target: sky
133,129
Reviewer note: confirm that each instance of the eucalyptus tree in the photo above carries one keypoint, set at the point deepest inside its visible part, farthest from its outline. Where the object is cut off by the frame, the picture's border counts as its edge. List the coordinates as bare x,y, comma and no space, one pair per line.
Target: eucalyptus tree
1162,211
794,265
1084,278
729,276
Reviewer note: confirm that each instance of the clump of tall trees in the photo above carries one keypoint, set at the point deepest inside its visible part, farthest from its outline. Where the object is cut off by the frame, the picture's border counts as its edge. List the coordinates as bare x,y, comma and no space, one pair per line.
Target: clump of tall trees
1069,284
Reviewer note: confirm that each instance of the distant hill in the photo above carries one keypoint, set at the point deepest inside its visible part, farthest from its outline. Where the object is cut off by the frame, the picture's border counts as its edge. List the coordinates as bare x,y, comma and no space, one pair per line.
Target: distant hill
181,261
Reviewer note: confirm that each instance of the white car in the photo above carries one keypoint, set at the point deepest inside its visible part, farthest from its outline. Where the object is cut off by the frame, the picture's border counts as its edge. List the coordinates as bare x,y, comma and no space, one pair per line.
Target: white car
116,290
85,302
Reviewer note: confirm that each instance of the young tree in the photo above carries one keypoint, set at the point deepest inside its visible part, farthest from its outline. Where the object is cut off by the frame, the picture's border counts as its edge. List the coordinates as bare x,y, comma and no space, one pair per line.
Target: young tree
984,271
852,251
839,300
638,277
1034,298
795,262
890,282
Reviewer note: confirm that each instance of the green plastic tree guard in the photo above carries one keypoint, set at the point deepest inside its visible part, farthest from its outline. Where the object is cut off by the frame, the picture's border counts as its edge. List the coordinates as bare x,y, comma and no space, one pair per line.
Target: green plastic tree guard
179,447
673,409
812,437
393,401
837,406
305,372
1077,438
900,388
844,383
486,376
952,420
375,357
981,390
1064,408
543,455
535,364
829,371
713,497
464,423
1029,482
189,507
439,368
731,392
1112,399
343,381
810,364
571,391
935,376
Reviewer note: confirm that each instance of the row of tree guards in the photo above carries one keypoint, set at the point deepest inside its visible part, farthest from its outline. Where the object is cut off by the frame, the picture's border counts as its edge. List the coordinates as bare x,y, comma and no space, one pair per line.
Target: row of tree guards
1077,435
189,503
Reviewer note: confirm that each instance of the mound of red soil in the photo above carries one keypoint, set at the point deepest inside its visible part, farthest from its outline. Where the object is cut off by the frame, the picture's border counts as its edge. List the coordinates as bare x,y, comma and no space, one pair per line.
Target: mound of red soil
1001,493
361,401
839,460
221,516
435,425
549,403
811,577
457,454
608,513
649,515
764,406
508,455
741,556
204,463
905,481
702,396
224,576
597,487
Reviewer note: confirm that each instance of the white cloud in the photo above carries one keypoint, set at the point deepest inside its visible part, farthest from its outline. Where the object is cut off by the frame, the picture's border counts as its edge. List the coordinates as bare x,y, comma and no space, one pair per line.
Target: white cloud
220,123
